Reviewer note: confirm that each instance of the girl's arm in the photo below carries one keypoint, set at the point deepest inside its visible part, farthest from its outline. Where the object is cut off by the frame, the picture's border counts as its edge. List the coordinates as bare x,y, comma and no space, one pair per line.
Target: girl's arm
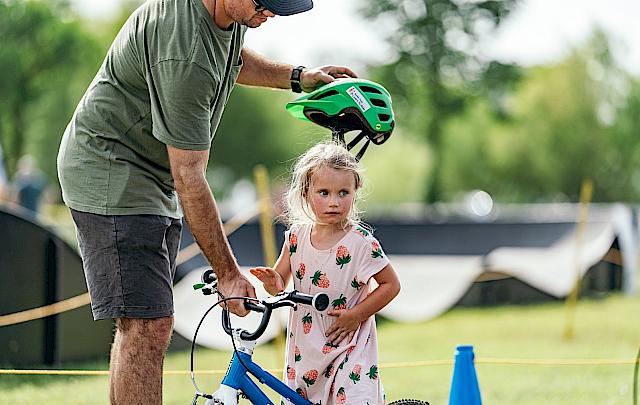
283,266
350,319
275,279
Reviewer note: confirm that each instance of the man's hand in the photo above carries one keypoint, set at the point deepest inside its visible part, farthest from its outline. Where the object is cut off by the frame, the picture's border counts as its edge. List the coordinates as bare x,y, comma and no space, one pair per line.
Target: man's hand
236,285
311,79
270,278
344,327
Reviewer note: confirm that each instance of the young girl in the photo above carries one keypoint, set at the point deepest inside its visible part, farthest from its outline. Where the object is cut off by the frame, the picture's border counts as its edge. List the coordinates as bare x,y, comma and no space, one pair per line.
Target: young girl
331,358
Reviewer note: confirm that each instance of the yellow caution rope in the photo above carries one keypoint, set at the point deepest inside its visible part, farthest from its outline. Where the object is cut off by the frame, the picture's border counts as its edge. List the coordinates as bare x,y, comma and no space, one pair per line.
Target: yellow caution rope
408,364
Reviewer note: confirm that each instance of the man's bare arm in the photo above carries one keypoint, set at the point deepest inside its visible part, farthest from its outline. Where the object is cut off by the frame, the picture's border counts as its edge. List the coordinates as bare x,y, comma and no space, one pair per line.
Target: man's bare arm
260,71
201,212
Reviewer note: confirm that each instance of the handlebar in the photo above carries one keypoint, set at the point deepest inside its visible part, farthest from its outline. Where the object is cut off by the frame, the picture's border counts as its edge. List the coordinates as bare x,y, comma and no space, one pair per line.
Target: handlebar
319,301
209,284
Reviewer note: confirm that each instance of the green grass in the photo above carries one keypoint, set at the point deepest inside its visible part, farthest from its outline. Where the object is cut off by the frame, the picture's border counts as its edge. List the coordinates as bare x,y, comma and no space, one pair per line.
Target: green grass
604,328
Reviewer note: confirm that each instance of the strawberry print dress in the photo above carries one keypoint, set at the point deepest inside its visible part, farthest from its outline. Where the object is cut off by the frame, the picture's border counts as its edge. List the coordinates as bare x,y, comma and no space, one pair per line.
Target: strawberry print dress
324,373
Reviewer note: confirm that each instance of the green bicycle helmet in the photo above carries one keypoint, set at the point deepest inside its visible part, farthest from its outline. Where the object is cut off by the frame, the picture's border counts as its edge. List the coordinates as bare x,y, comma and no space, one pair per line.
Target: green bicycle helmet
347,105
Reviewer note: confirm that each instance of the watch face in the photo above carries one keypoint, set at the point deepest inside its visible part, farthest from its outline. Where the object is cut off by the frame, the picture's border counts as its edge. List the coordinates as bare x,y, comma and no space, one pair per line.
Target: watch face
296,72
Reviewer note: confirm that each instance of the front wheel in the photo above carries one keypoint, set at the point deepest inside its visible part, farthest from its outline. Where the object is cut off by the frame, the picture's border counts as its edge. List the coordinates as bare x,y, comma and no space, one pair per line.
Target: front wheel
409,402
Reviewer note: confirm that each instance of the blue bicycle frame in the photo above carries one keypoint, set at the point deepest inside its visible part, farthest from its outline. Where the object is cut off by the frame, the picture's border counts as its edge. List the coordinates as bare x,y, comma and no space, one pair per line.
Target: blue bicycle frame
237,378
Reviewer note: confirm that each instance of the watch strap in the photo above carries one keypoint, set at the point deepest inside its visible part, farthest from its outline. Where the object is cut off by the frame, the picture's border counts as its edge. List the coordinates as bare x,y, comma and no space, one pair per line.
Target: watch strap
296,73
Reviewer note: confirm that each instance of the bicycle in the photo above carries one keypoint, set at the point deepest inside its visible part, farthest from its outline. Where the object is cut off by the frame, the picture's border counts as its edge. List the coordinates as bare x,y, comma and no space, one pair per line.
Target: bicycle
236,382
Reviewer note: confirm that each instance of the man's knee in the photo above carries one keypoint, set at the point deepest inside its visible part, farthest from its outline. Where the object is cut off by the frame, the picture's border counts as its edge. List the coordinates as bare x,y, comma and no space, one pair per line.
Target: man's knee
156,330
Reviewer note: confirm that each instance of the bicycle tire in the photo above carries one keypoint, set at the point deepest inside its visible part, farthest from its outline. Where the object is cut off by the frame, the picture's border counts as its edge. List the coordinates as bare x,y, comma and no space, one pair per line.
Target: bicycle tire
409,402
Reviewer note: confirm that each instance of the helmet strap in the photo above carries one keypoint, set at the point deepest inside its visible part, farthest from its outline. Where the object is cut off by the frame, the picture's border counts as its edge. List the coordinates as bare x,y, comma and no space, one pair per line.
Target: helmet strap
363,150
338,137
355,140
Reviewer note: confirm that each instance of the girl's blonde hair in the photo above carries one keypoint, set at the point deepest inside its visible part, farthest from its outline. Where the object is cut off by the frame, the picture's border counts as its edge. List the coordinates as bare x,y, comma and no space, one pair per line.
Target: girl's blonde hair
331,155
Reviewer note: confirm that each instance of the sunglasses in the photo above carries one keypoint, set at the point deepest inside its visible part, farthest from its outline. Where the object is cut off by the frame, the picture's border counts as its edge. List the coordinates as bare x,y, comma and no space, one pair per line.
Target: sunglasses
259,6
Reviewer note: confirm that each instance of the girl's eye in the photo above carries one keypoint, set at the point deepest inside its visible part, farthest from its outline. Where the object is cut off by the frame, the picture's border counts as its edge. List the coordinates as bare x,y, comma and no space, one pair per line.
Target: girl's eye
343,193
323,193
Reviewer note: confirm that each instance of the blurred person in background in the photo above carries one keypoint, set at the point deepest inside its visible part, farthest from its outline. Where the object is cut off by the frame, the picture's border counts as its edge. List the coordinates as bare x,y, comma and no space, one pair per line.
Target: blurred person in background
133,160
28,184
4,185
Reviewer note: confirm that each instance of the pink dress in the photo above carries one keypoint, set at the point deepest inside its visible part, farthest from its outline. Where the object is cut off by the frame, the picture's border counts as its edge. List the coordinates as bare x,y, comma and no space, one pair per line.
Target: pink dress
346,373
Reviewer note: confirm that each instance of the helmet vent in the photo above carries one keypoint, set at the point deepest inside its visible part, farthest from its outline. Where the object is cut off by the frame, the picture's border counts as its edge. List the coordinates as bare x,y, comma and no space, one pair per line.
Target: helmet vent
378,103
369,89
384,117
326,94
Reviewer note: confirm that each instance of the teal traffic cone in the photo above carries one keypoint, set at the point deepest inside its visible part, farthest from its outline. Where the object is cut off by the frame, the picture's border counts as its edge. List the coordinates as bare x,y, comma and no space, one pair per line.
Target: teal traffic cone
464,384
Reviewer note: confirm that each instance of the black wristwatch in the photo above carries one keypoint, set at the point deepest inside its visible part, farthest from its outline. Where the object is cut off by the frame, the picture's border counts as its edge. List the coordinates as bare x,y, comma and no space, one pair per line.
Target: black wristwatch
295,79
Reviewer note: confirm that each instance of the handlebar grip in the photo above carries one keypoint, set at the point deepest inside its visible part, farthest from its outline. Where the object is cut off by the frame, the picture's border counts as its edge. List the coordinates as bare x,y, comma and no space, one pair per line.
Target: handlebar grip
319,301
300,298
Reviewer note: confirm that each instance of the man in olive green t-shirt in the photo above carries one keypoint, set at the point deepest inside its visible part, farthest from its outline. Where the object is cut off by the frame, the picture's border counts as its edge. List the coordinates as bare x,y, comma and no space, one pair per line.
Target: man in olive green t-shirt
133,159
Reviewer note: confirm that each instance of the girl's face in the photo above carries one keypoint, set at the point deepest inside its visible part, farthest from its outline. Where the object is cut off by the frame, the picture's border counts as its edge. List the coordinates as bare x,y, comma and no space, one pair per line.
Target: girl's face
331,195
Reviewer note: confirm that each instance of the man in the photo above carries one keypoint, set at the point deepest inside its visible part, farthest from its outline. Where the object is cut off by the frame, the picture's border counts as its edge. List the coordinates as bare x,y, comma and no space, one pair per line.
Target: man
137,143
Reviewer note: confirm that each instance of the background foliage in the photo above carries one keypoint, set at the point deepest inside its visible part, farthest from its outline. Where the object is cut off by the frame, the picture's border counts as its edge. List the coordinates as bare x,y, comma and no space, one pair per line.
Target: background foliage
463,122
46,59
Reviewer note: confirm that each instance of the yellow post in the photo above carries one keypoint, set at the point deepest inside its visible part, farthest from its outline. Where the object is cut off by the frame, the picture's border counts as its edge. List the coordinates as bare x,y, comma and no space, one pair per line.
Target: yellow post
266,215
586,192
267,232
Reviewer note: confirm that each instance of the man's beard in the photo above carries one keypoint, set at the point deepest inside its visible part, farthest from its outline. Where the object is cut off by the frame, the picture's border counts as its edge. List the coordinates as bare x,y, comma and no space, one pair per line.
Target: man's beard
253,22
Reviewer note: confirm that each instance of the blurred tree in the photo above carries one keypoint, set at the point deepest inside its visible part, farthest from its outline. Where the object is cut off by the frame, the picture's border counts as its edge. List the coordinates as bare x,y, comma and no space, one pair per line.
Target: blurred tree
46,60
567,122
621,165
437,64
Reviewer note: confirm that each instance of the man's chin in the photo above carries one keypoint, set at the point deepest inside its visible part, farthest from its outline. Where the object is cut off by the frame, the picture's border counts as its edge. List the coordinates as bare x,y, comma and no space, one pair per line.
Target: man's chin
254,22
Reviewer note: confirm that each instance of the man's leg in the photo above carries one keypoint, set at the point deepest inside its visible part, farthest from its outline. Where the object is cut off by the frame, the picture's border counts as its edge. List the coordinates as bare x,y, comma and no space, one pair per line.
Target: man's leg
113,364
129,262
137,357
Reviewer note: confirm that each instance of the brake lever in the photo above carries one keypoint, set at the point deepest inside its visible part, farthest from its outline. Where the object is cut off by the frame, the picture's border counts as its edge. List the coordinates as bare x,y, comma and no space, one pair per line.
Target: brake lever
209,282
277,301
206,290
286,303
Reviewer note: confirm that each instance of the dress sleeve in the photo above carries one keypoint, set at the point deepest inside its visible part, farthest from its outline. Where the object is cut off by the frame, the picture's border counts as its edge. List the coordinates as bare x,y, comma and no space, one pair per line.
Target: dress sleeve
181,94
371,259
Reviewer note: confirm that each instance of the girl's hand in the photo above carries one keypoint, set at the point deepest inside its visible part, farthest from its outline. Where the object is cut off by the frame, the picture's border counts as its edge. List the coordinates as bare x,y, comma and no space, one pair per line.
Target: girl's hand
344,327
270,278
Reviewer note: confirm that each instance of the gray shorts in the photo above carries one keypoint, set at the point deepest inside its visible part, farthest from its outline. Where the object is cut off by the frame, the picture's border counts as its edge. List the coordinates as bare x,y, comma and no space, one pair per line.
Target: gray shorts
129,263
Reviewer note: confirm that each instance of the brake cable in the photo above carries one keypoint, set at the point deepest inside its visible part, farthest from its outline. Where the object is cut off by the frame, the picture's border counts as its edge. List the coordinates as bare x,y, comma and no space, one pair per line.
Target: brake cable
199,393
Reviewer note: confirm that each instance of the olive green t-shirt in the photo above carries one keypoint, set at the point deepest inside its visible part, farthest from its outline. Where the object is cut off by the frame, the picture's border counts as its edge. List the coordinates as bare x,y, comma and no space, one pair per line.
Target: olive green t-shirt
157,86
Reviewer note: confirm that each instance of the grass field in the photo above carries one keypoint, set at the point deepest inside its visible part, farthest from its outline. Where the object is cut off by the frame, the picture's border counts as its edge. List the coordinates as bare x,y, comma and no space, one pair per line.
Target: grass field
607,328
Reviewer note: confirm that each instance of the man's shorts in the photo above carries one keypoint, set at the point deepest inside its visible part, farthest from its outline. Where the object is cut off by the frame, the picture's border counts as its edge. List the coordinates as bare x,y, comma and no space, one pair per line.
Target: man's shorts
129,263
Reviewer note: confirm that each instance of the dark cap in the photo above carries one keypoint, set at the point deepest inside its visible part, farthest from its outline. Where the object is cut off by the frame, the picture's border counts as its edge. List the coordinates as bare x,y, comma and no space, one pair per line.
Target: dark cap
287,7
